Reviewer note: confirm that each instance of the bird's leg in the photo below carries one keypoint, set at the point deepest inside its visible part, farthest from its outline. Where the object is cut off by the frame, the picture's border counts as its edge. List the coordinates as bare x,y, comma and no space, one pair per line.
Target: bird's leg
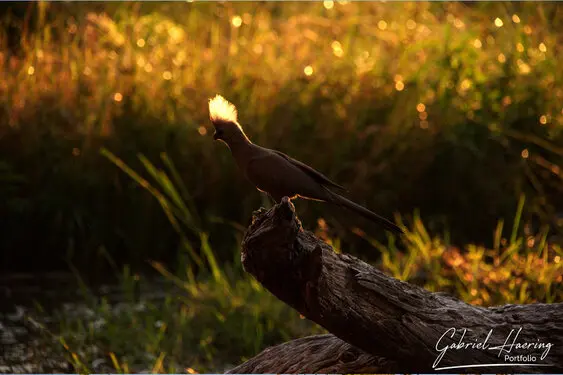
273,200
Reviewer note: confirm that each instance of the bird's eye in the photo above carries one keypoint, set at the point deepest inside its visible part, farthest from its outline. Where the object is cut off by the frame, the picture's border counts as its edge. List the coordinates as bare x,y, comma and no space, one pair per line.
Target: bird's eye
218,133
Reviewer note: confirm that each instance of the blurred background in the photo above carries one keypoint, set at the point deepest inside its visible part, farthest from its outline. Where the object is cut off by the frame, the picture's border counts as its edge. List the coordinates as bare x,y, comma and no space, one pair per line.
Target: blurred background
122,219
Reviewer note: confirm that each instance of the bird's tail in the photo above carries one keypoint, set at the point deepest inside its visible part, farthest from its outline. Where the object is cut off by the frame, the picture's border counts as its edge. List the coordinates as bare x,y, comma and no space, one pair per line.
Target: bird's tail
344,202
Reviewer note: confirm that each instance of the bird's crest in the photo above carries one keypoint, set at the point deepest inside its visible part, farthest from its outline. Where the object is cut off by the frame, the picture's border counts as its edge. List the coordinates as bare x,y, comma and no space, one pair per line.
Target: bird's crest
221,110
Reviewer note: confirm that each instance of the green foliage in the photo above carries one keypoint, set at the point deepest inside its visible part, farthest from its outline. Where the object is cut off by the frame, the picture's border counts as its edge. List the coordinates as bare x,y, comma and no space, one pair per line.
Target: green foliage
417,105
521,269
207,322
206,325
221,316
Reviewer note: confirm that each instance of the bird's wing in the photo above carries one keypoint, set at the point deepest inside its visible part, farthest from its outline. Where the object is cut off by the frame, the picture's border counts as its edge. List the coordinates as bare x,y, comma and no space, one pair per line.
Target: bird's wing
276,175
316,175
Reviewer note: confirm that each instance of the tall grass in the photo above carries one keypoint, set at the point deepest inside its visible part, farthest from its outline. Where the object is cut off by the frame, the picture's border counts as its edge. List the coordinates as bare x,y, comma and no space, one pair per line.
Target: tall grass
219,317
448,108
436,106
214,318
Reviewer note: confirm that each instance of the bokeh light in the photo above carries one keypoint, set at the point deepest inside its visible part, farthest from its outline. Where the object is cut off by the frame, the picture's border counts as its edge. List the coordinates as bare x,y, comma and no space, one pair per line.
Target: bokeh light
236,21
515,18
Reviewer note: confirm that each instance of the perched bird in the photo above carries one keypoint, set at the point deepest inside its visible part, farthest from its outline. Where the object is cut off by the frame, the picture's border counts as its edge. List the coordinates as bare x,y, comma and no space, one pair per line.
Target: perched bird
276,173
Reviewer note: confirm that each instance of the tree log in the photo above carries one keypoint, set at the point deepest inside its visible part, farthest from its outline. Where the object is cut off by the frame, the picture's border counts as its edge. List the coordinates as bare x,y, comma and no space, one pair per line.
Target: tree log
402,326
321,354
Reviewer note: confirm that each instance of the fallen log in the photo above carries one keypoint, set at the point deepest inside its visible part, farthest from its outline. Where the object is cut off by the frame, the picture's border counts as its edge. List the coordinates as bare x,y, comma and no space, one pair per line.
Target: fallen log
399,326
321,354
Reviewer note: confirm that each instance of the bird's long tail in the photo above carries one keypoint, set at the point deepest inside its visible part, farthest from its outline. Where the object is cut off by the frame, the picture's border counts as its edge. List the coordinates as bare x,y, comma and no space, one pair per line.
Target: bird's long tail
344,202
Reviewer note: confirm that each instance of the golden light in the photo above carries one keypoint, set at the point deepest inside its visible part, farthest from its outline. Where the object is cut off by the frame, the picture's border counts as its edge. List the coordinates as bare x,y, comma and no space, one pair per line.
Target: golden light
176,33
190,370
524,68
477,43
141,42
543,119
398,77
236,21
148,68
498,22
458,23
167,75
501,58
465,84
542,47
424,124
506,101
520,47
515,18
423,115
420,107
527,29
557,259
382,25
337,49
258,49
117,97
308,70
30,70
411,24
525,153
202,130
399,86
328,4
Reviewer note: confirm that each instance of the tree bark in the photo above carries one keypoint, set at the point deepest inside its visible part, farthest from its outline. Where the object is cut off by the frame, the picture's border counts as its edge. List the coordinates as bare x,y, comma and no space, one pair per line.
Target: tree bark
321,354
399,326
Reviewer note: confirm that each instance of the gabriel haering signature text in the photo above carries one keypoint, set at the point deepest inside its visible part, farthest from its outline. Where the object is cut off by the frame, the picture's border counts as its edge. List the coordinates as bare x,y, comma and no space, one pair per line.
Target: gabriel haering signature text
512,351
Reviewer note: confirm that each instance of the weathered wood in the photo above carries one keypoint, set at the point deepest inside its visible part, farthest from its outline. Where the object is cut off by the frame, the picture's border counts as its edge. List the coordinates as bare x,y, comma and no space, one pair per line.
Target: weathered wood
402,323
322,354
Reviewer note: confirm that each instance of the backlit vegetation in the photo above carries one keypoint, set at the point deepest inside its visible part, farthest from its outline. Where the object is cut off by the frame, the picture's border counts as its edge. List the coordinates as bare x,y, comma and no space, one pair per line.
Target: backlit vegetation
447,109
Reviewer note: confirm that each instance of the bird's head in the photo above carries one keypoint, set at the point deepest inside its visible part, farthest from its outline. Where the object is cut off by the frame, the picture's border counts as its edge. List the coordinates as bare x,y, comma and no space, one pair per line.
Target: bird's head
223,115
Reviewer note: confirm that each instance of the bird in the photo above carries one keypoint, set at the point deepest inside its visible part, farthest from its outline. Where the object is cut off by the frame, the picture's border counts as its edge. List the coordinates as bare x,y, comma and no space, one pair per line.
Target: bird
276,173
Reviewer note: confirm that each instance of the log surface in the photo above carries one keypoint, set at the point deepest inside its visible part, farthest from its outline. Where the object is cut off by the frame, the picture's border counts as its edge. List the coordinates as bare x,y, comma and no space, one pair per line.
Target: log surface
402,326
321,354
